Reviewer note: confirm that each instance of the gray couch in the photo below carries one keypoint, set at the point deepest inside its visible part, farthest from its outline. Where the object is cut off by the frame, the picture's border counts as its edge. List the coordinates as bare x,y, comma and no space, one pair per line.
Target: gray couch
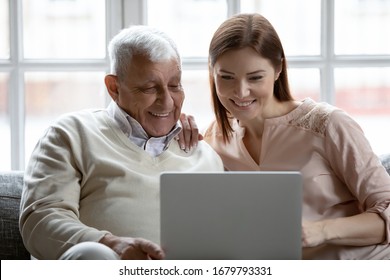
11,244
11,183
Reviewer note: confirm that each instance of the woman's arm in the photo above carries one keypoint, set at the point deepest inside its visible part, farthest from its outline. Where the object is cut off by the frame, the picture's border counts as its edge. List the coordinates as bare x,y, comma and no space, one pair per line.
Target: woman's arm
359,230
353,161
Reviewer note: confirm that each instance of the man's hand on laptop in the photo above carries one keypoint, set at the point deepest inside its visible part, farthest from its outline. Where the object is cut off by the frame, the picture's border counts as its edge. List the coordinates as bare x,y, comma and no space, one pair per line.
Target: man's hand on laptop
133,248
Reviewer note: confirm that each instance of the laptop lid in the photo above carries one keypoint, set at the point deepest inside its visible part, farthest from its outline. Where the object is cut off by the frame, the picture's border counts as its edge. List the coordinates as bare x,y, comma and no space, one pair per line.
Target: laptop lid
231,215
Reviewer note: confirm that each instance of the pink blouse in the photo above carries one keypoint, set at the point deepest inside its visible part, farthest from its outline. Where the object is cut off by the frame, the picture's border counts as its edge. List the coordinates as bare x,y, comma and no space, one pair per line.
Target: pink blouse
341,174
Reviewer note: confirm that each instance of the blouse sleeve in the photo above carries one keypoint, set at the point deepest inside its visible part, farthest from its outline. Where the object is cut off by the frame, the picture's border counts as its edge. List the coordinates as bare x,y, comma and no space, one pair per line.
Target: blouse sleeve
355,163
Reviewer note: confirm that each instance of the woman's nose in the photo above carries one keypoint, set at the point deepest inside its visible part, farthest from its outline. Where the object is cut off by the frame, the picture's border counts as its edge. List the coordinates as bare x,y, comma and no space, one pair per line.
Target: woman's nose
242,89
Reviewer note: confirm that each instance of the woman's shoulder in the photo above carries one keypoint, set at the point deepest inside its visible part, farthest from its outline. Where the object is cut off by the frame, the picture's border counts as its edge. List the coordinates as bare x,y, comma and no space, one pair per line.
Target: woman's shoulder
315,116
212,130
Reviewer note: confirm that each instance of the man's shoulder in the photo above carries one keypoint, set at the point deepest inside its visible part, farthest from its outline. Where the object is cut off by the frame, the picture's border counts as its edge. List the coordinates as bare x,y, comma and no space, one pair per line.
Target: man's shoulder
81,117
203,145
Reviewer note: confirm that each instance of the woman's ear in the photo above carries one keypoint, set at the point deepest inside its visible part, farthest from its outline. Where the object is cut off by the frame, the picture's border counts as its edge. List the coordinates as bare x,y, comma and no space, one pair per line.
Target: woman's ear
111,82
279,70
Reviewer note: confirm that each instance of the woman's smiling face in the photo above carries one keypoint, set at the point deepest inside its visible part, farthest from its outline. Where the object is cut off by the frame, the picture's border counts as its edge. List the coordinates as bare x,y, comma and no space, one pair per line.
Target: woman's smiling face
244,82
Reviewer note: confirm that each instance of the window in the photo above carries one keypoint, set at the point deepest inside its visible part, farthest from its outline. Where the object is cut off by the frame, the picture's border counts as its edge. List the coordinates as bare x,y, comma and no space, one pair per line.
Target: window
53,57
52,61
4,30
64,29
5,132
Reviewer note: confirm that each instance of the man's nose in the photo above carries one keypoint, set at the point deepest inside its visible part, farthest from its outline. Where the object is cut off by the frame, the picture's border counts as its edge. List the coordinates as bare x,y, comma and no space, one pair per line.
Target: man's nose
164,97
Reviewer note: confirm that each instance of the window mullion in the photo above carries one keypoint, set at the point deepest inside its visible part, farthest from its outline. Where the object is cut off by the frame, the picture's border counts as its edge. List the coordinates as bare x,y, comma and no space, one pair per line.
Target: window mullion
135,11
362,60
114,18
115,21
233,7
16,88
327,51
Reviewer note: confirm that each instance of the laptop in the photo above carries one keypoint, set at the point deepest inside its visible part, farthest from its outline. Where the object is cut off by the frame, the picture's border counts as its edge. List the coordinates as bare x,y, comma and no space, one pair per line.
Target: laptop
231,215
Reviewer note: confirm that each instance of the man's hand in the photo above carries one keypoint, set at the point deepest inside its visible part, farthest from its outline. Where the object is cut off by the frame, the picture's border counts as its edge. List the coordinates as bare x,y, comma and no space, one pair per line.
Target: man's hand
133,248
189,136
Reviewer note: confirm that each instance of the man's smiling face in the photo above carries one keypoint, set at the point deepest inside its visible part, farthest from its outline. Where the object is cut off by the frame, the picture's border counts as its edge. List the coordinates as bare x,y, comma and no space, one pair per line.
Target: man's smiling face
151,93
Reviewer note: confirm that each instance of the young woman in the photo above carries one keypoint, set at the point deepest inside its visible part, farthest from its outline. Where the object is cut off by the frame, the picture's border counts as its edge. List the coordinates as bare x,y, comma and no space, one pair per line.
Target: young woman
259,126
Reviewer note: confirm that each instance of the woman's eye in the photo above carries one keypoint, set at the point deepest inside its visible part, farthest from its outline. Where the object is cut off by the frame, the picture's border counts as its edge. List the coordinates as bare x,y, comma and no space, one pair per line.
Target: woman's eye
255,78
226,77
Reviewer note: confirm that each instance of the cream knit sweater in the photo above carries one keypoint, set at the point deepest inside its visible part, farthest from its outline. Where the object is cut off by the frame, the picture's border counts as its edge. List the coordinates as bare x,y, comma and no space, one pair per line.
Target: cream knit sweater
85,178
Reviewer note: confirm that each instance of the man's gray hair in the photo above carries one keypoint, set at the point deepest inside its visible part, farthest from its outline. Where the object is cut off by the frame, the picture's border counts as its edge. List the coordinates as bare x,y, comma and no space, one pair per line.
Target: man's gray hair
139,39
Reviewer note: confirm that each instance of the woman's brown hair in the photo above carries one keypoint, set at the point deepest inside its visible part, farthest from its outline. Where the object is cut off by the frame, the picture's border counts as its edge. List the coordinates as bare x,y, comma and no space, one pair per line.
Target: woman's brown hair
240,31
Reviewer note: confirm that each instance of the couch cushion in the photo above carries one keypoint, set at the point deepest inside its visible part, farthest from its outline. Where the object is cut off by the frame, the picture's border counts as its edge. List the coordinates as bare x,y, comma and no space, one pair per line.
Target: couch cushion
11,244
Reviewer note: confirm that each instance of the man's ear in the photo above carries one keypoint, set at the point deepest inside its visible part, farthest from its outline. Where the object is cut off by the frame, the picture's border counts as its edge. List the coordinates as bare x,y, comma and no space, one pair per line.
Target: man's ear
111,82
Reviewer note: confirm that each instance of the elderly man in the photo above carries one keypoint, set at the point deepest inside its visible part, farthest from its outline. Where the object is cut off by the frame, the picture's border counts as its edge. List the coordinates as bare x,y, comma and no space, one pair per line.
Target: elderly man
92,184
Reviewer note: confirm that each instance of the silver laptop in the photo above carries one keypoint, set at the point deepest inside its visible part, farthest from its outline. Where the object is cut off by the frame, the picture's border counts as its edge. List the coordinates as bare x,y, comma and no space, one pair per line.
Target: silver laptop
231,215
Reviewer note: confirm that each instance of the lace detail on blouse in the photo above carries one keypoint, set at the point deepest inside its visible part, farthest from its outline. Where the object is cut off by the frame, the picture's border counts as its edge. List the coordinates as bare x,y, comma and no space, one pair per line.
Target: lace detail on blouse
315,118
